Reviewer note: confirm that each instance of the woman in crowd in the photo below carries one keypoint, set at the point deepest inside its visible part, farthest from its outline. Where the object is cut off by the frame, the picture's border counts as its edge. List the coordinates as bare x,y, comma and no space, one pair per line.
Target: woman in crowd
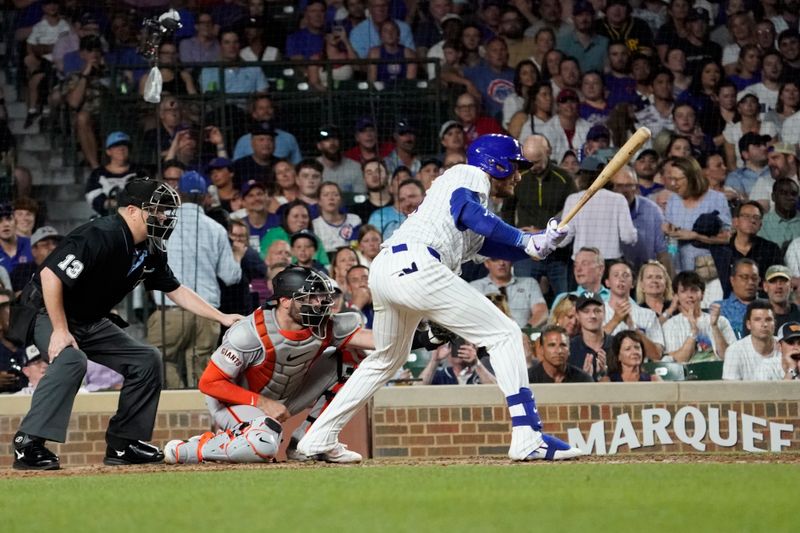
334,226
748,67
702,92
175,80
676,63
544,42
692,198
565,315
343,259
679,146
369,244
726,105
714,170
391,49
257,48
594,106
570,162
538,110
654,290
296,217
526,75
336,47
286,189
625,359
552,64
748,108
788,104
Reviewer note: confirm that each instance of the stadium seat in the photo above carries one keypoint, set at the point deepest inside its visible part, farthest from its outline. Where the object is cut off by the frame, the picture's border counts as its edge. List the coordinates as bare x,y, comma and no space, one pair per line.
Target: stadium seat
666,371
705,371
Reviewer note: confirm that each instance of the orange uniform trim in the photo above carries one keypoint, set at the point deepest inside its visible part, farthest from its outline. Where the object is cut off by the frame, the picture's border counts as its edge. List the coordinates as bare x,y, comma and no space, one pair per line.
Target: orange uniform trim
258,376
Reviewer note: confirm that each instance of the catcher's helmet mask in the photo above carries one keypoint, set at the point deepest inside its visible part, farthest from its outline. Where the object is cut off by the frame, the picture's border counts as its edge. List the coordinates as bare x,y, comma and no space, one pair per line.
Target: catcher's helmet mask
311,292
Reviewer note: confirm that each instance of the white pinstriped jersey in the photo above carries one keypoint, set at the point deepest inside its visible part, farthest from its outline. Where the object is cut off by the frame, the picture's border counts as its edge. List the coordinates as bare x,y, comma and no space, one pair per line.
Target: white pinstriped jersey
433,225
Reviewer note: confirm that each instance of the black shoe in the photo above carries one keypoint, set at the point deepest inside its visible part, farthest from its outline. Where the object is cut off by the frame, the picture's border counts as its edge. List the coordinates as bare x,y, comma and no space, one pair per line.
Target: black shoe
30,118
30,453
135,453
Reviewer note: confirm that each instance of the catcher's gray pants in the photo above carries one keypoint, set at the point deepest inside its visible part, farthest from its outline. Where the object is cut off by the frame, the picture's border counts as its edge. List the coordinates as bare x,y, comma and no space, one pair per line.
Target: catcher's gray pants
106,344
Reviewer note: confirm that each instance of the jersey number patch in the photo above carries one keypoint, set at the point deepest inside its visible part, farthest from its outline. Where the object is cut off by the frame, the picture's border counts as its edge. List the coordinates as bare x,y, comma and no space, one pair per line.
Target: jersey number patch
72,267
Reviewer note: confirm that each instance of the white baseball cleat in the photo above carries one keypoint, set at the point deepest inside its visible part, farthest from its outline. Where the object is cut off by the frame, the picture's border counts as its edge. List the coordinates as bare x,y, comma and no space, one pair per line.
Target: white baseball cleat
171,451
340,454
552,449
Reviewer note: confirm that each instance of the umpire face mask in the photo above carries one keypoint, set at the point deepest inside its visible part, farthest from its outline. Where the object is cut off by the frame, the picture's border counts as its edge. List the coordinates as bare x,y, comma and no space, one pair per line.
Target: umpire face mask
161,215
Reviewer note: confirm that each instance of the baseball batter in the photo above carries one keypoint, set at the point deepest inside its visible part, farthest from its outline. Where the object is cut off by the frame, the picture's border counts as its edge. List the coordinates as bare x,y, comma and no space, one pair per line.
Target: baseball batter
276,362
415,276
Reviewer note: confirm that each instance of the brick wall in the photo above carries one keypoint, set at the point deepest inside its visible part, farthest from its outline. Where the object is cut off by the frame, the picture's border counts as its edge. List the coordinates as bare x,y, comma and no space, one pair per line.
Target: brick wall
181,414
467,421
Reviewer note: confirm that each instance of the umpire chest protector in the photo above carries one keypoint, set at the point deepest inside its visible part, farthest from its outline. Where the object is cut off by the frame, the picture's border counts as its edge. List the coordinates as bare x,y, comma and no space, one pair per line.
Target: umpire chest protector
277,362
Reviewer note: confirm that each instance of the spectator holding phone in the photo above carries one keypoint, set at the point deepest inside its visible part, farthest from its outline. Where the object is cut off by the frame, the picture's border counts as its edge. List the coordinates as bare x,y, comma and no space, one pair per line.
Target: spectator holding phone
464,366
789,344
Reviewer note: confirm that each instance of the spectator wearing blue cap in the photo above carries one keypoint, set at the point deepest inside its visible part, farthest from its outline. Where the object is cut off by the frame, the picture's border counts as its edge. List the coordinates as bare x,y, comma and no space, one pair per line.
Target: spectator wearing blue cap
14,250
258,165
106,181
199,252
262,109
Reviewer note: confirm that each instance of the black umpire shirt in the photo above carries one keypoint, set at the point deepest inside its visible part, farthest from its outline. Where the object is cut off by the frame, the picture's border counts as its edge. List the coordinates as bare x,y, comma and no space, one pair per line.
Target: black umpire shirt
99,264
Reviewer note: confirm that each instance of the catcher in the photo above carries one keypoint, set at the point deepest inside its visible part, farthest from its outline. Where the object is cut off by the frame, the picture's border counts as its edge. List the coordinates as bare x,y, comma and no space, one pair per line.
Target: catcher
284,357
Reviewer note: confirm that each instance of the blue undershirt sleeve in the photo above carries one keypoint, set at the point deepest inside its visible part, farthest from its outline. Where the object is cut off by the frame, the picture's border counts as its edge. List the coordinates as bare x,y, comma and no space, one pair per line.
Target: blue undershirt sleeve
468,213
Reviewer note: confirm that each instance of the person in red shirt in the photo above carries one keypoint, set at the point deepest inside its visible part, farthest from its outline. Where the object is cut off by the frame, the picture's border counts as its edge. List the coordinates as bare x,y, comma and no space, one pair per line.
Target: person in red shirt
467,113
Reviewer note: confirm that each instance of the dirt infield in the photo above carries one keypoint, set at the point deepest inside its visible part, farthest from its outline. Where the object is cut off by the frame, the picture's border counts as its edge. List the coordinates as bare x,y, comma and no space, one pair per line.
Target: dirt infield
638,458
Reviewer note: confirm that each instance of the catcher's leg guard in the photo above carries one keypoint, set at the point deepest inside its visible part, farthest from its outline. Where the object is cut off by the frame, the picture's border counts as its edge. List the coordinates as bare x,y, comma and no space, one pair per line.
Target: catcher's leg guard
256,441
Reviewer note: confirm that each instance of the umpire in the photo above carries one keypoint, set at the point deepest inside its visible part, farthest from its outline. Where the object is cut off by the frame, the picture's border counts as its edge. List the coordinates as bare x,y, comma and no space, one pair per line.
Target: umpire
72,295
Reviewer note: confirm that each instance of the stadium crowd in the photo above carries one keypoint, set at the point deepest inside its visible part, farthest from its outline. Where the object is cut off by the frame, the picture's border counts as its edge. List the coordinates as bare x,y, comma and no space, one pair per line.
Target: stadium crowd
691,254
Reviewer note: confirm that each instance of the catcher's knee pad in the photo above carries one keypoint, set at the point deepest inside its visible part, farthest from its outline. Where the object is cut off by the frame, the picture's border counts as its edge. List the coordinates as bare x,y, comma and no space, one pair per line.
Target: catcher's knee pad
255,442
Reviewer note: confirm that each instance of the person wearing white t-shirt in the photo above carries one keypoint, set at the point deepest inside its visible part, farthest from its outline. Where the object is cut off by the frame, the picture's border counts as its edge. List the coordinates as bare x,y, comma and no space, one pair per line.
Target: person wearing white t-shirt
768,89
334,228
622,313
757,356
39,59
692,335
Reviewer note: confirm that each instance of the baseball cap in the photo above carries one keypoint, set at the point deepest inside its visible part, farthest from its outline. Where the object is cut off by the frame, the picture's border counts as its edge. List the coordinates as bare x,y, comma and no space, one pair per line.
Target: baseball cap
137,192
447,126
192,183
751,138
90,42
741,95
610,3
566,95
582,6
648,152
587,298
597,132
303,234
697,13
262,128
6,210
364,123
449,16
778,271
430,161
255,22
783,148
220,162
591,164
250,185
116,138
87,19
403,126
788,331
45,232
329,131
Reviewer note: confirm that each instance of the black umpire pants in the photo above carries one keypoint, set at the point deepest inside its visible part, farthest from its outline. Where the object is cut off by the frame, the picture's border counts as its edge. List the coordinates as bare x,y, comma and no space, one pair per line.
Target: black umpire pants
106,344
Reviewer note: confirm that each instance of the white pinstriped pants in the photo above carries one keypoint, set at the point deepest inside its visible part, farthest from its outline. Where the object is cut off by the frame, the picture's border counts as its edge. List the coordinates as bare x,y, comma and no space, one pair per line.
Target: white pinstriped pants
427,289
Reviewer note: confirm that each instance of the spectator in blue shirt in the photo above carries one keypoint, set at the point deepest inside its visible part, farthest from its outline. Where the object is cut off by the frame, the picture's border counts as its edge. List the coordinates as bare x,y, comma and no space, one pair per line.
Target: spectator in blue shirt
14,250
463,368
308,41
238,79
493,78
367,33
745,281
263,110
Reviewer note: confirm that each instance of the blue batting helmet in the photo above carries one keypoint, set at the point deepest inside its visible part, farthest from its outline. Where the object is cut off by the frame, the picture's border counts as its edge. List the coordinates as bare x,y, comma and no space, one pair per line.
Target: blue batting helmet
494,154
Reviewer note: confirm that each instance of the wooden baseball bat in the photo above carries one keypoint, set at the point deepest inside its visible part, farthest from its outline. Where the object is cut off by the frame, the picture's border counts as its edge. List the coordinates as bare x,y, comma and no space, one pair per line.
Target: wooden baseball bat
617,162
